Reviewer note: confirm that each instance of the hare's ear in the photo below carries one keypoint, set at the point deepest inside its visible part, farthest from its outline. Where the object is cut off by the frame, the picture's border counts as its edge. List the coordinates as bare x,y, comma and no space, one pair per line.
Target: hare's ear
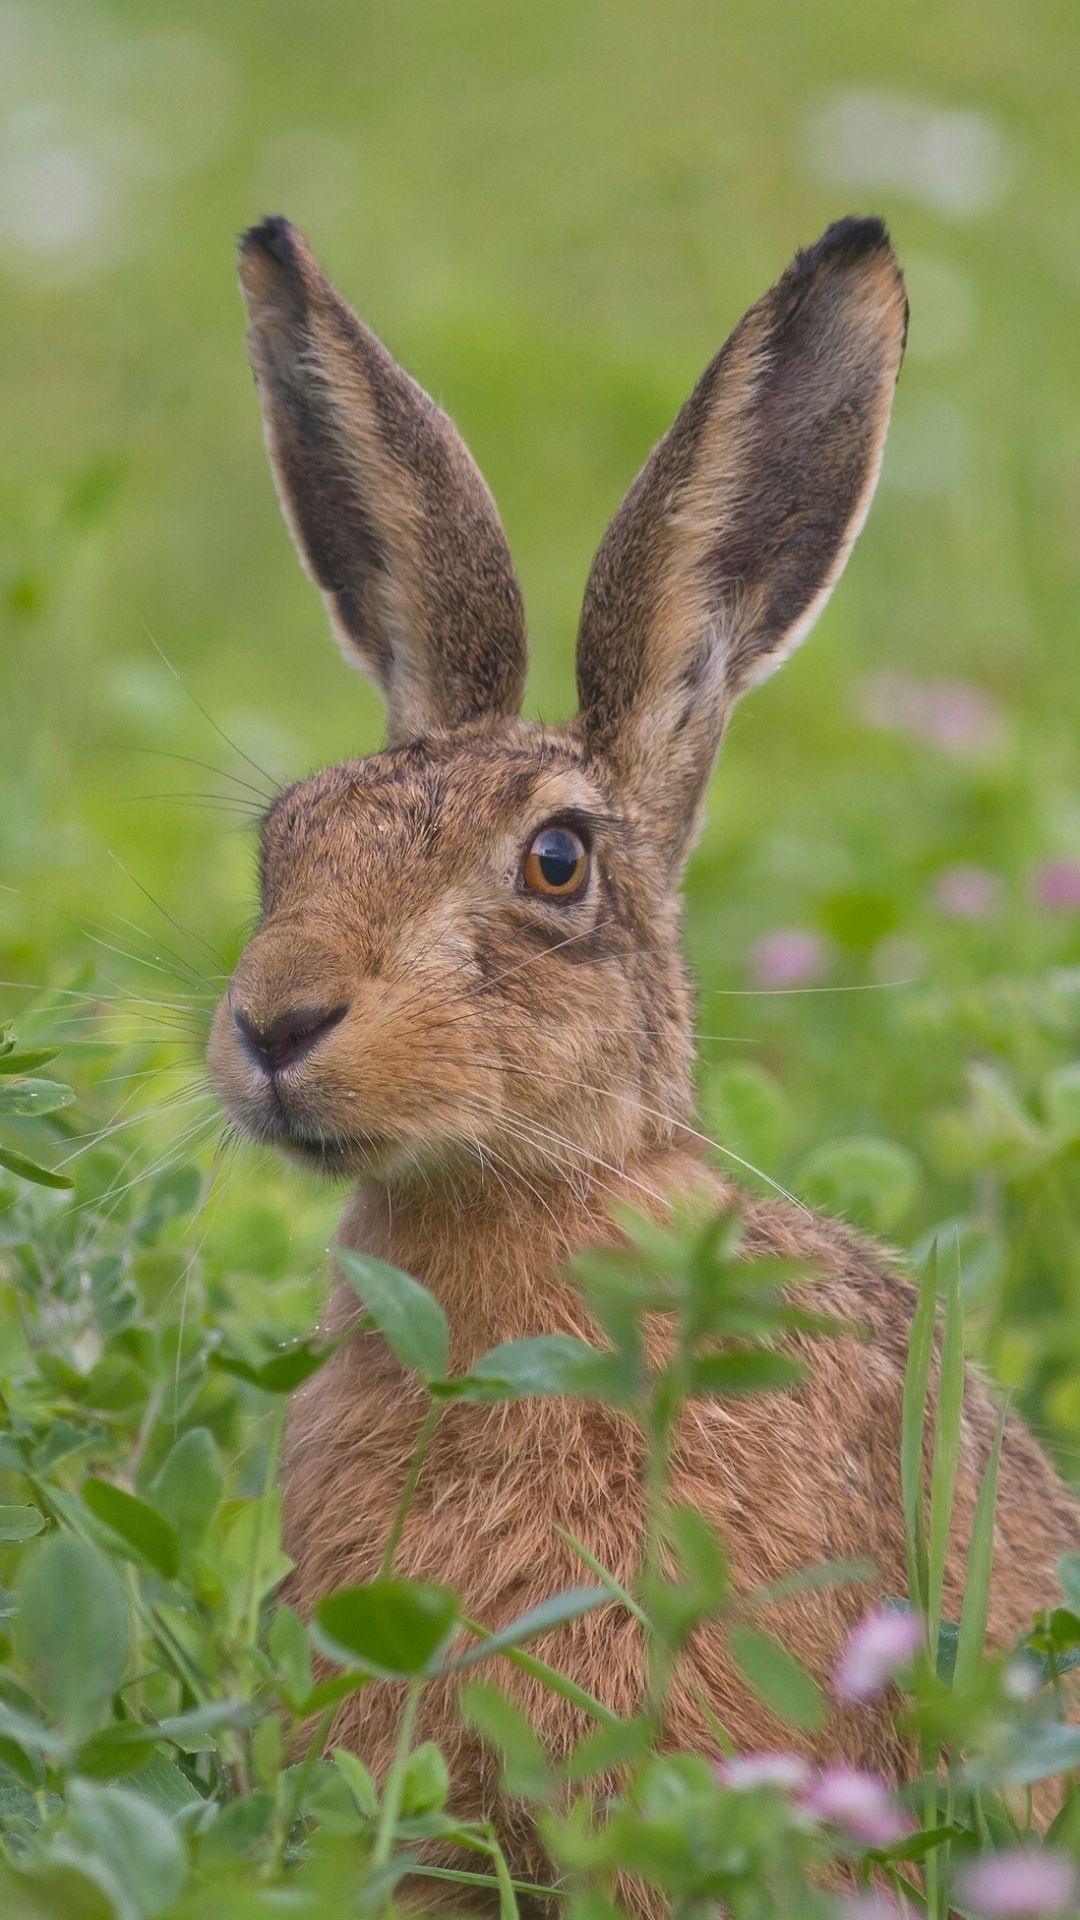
730,540
390,514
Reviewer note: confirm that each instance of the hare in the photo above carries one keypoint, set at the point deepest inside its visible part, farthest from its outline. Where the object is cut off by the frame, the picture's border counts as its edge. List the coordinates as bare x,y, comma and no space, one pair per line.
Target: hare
466,997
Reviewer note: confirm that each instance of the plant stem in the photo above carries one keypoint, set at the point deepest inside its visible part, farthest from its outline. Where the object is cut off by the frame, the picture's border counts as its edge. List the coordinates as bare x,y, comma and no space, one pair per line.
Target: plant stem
487,1880
273,1458
304,1771
416,1466
395,1779
663,1410
605,1578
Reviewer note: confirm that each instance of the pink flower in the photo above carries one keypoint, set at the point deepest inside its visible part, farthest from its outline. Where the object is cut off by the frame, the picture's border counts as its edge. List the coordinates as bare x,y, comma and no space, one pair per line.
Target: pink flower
790,957
1023,1884
969,893
954,715
788,1771
961,718
876,1649
1057,886
858,1803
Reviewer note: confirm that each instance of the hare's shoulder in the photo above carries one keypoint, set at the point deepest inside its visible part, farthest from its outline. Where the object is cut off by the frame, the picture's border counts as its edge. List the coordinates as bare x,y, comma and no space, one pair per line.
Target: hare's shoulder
841,1271
854,1390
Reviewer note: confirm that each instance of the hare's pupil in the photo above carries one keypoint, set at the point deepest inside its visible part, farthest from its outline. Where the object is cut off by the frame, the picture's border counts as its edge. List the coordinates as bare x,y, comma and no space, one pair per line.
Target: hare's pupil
558,854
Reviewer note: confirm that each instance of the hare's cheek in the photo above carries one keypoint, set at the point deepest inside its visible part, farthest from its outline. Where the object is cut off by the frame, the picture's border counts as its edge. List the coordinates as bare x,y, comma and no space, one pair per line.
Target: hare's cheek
221,1048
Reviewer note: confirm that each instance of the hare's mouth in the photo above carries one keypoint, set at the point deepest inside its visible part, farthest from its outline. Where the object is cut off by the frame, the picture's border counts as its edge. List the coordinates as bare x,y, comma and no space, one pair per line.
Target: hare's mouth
324,1156
337,1155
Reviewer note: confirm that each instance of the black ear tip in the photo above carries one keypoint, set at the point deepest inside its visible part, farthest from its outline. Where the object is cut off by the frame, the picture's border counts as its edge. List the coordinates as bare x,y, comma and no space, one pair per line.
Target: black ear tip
274,237
856,238
856,233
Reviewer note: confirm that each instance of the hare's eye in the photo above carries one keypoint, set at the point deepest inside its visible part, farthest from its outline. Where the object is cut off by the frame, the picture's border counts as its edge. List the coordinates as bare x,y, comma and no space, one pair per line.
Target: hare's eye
556,864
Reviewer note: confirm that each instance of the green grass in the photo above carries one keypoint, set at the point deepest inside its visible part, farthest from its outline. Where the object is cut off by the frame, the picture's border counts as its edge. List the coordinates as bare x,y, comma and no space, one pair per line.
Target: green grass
554,215
162,1723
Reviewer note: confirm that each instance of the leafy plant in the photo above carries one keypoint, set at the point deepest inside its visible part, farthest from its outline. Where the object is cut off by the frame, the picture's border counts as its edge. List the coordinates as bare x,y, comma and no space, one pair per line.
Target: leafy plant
164,1719
23,1096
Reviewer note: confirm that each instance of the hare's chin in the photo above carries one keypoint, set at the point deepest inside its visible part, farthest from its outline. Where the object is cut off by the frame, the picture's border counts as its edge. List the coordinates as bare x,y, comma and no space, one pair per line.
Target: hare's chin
330,1157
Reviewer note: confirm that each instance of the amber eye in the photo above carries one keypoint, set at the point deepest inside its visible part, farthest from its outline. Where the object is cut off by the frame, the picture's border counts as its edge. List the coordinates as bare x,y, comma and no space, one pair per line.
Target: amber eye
556,864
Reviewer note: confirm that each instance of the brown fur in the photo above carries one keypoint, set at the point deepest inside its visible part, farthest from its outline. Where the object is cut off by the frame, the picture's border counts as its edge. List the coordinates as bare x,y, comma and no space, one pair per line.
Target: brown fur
392,518
733,535
506,1065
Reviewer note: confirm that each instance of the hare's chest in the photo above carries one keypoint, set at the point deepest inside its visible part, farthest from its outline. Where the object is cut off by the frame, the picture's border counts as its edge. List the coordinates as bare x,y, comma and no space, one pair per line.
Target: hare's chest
503,1494
500,1491
507,1490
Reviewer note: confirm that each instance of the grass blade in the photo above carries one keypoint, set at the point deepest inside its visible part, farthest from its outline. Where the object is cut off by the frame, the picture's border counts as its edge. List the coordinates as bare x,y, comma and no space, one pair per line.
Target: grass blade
913,1421
973,1614
606,1579
551,1678
947,1425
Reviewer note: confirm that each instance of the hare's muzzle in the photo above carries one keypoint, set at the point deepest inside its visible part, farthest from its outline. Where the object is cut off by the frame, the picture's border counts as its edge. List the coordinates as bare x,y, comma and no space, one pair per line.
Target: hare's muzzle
269,1072
276,1045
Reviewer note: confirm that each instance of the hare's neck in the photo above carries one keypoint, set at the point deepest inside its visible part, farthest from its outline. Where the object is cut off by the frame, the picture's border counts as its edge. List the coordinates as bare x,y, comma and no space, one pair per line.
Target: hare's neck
494,1253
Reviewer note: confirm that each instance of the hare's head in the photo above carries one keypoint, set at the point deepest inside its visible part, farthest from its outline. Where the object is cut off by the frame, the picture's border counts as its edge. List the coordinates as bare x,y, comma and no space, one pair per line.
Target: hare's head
468,949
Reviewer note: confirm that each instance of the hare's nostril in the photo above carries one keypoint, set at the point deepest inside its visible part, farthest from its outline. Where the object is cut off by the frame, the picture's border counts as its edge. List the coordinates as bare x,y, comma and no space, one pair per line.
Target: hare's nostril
287,1038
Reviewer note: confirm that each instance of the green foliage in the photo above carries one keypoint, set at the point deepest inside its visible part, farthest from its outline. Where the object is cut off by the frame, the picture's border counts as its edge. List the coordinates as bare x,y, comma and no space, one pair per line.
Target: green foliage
873,1182
392,1628
23,1097
165,1720
923,1074
405,1314
73,1631
778,1678
158,1303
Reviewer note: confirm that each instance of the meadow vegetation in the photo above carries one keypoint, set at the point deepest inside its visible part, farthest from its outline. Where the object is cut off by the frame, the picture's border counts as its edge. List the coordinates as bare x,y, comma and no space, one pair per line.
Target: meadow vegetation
554,215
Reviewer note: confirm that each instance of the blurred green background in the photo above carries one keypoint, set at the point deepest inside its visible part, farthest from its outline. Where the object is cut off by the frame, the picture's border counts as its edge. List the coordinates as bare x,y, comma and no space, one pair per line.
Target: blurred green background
554,215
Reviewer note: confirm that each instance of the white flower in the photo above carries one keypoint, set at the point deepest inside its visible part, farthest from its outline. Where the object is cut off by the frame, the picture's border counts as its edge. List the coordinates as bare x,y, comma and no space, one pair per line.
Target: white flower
788,1771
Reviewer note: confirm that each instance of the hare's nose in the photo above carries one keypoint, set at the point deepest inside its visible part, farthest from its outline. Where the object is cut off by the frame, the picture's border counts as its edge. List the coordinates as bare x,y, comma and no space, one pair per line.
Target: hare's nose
286,1039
